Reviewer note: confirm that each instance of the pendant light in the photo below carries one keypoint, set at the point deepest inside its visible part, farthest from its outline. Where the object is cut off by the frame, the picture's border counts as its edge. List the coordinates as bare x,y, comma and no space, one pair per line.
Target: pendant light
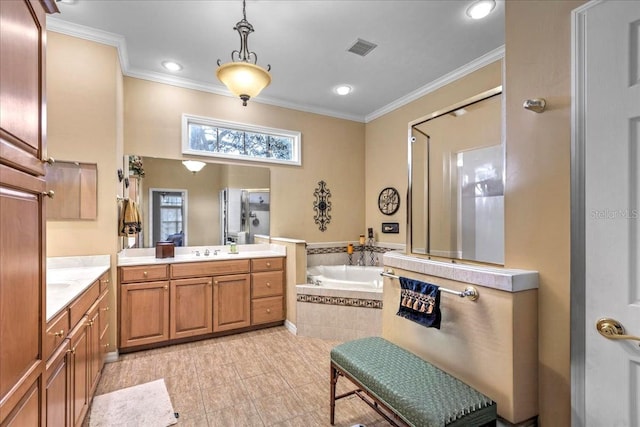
242,76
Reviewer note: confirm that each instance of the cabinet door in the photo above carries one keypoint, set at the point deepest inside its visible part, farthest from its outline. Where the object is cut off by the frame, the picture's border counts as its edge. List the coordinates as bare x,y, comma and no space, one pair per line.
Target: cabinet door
27,411
95,352
104,322
58,388
21,286
79,366
191,307
22,44
144,313
231,302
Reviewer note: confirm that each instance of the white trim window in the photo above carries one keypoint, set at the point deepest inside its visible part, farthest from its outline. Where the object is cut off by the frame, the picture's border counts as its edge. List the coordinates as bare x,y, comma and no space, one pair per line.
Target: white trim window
204,136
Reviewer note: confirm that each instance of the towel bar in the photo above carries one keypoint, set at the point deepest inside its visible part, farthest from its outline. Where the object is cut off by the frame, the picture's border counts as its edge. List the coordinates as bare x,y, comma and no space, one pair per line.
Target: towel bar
469,292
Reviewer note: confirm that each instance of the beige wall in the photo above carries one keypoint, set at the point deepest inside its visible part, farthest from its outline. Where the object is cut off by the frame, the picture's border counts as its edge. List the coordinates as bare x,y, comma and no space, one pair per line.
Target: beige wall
537,209
84,123
332,150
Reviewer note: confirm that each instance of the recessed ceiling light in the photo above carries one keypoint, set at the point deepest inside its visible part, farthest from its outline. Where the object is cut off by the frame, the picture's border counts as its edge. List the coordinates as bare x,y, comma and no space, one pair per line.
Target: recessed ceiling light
480,9
343,90
171,66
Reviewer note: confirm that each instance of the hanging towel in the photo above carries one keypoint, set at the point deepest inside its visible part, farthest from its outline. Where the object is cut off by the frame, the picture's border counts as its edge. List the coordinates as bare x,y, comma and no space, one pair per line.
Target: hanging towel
129,221
420,302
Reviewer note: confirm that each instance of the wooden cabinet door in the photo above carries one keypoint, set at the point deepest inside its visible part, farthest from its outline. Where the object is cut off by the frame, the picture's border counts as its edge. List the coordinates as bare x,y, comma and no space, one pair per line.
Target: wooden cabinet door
58,388
79,366
105,310
21,287
191,307
27,411
22,89
231,302
144,313
95,352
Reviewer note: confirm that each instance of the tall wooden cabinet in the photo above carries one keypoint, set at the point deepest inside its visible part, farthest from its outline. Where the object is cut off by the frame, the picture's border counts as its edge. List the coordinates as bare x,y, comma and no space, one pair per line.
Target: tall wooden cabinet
22,224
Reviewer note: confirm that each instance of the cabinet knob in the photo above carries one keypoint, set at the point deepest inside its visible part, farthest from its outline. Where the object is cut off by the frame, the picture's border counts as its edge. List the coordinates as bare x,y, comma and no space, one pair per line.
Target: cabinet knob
106,308
105,281
106,345
90,323
49,194
60,333
49,160
145,274
216,282
268,310
71,350
268,284
209,283
268,264
166,287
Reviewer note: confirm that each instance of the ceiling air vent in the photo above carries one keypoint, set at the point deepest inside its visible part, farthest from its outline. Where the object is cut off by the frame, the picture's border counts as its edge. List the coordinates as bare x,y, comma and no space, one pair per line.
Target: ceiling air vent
362,47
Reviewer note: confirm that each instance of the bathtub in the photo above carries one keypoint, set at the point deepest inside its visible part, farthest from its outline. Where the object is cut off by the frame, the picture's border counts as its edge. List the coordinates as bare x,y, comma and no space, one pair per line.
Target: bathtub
341,302
348,277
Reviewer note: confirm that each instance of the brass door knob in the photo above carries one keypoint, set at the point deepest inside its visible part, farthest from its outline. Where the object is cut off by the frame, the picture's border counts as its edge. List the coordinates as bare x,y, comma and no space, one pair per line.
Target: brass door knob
613,330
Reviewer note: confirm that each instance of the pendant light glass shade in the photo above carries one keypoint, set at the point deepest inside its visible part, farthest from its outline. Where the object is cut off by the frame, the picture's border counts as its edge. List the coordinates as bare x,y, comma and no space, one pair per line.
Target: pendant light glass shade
243,79
242,76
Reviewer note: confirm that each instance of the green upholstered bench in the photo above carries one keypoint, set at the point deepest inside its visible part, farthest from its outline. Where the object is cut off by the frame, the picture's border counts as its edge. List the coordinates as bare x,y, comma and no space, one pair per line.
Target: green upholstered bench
405,389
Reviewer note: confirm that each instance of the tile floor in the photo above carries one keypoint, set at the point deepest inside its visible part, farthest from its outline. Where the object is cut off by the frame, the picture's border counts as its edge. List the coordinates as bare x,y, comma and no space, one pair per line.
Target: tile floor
268,377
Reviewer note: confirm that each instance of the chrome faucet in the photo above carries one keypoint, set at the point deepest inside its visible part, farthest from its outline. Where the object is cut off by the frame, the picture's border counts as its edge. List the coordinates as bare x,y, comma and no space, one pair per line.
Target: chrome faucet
197,253
206,252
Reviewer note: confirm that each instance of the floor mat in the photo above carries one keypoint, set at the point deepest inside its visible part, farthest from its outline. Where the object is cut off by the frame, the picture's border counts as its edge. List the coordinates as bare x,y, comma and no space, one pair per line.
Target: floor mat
146,405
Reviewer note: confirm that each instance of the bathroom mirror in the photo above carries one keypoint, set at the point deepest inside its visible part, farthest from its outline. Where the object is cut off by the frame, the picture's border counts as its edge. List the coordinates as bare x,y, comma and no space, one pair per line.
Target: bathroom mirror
456,181
219,203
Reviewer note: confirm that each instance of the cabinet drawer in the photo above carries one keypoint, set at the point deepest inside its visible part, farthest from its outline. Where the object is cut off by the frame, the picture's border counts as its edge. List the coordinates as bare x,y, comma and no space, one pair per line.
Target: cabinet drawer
209,268
141,273
266,310
57,330
266,284
104,281
81,305
267,264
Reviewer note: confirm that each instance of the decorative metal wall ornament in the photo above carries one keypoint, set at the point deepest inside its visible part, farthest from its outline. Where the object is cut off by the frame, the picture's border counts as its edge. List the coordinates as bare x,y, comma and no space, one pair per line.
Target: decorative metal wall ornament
322,205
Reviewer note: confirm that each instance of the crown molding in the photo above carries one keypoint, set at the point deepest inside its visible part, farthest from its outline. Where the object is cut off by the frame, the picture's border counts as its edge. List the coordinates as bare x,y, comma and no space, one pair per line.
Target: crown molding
456,74
104,37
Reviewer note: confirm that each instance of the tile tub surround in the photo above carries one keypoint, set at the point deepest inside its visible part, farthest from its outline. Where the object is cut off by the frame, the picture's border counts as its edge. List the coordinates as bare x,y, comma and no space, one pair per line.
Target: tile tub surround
76,273
144,256
338,314
335,253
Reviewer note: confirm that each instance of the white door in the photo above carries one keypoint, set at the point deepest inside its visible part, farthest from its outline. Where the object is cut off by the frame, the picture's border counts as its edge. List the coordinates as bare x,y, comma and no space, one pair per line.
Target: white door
609,110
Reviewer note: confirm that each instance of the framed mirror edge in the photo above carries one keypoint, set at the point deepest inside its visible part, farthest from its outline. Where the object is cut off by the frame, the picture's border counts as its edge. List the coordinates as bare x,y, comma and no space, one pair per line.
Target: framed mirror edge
409,250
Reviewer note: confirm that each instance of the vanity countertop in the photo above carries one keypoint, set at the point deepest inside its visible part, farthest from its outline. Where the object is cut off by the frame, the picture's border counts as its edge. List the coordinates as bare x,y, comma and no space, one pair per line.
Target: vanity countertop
68,277
146,256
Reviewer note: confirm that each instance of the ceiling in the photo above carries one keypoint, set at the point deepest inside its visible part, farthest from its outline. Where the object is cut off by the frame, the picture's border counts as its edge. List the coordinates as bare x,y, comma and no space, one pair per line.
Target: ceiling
420,44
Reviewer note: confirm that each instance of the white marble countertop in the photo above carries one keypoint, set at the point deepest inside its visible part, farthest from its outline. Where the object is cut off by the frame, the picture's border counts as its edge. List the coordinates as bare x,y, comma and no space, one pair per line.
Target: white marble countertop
504,279
68,277
146,256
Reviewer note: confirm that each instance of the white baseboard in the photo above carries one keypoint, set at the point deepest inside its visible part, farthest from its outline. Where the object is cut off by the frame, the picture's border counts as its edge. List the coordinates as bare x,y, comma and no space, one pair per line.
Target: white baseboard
112,356
291,327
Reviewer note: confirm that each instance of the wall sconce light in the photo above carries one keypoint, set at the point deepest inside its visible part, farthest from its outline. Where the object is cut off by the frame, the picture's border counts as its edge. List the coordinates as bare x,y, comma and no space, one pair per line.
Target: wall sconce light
193,165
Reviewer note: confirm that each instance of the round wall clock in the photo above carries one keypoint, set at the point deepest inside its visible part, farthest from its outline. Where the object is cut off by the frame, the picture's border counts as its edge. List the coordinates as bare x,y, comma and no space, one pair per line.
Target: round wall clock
389,201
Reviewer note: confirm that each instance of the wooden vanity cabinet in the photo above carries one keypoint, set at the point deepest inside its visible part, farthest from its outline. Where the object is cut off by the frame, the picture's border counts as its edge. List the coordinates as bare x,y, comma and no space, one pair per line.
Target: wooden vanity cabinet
75,363
198,299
